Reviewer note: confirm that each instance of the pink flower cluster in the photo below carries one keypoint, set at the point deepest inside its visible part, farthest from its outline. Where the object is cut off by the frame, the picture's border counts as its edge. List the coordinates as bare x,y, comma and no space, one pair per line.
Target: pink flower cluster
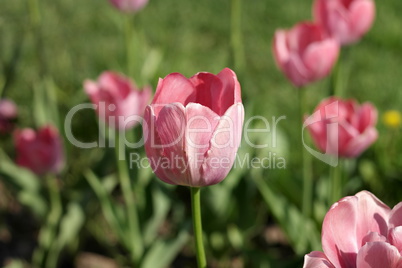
309,50
360,232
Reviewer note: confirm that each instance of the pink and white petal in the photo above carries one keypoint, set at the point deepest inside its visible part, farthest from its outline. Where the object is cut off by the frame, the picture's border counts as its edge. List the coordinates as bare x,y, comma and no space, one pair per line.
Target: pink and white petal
153,145
361,142
317,259
361,14
173,88
171,125
395,237
339,239
320,57
395,217
372,216
231,92
225,141
201,124
378,255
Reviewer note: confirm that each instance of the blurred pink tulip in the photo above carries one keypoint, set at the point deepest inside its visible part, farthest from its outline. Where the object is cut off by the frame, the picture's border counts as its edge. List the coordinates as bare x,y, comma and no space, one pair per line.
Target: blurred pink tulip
343,127
304,54
40,151
129,6
193,128
360,232
345,20
8,115
119,102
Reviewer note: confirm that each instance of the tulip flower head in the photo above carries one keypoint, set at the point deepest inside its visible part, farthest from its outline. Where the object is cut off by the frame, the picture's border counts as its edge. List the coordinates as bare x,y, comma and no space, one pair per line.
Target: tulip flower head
343,127
345,20
118,101
304,54
129,6
8,115
359,231
193,127
40,151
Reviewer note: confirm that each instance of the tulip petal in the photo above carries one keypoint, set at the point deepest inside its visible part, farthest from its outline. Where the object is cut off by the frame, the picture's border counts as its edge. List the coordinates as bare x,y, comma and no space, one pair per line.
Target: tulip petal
395,218
367,115
320,65
171,125
153,145
360,143
361,14
372,216
208,89
231,92
316,259
201,124
223,146
395,237
378,255
176,88
339,232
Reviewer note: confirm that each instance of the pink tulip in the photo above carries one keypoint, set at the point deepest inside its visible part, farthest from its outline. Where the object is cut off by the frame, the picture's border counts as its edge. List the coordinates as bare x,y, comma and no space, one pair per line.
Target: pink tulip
360,232
129,6
118,101
193,128
304,54
343,127
40,151
345,20
8,115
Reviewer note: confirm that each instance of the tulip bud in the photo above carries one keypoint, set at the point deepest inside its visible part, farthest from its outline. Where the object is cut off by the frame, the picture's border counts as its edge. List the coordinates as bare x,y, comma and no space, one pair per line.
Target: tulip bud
40,151
304,54
119,102
193,128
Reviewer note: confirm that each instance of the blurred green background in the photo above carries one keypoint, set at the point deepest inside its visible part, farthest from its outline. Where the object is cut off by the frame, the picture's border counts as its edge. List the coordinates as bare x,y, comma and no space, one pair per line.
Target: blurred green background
251,219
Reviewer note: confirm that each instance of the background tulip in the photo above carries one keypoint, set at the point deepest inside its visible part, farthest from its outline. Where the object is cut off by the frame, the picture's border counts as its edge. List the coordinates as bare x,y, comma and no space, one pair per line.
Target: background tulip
40,151
8,115
345,20
343,127
193,128
118,98
129,5
359,231
304,54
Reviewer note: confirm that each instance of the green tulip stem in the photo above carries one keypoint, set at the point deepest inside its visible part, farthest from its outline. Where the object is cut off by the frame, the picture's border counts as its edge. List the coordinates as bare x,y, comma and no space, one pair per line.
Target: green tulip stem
136,247
236,35
306,159
197,225
336,182
129,30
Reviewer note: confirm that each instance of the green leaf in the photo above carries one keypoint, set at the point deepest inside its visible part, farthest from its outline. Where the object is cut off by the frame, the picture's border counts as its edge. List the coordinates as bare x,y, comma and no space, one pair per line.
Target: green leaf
163,252
161,206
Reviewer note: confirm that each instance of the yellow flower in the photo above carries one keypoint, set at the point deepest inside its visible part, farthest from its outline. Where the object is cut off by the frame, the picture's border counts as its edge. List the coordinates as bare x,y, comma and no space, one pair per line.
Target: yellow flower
392,118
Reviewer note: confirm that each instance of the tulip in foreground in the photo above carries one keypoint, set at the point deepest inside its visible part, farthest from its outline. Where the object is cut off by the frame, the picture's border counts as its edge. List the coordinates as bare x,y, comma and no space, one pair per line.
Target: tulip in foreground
40,151
304,53
360,231
129,6
345,20
193,127
8,115
343,127
118,101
